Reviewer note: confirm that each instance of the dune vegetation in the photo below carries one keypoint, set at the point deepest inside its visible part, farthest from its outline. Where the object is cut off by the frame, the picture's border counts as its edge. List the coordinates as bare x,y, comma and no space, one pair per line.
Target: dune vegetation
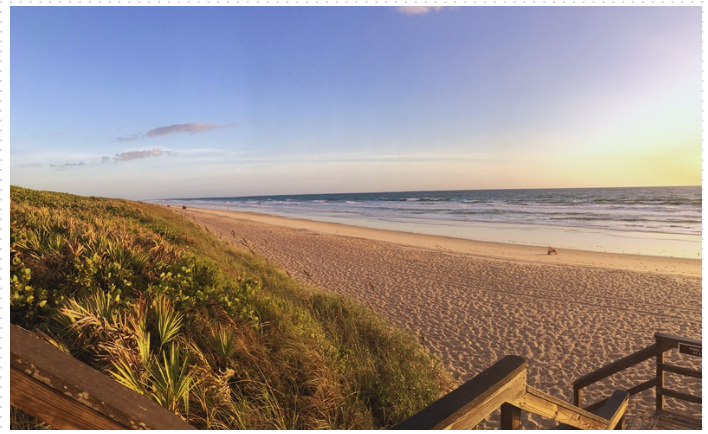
217,335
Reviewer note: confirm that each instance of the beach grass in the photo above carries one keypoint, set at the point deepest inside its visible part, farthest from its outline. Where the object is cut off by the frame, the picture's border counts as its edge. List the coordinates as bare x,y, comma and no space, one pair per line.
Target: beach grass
218,335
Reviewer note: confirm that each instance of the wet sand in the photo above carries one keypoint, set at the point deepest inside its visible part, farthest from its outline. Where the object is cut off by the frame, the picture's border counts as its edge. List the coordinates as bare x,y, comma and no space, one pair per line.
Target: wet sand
475,302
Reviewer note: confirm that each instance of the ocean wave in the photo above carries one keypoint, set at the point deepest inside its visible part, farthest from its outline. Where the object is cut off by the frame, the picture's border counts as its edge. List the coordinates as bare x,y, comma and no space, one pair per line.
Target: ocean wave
416,199
663,210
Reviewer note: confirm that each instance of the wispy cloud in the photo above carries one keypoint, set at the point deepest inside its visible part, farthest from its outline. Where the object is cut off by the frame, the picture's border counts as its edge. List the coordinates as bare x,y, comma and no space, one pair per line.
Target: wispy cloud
136,155
128,139
195,127
192,128
66,165
417,10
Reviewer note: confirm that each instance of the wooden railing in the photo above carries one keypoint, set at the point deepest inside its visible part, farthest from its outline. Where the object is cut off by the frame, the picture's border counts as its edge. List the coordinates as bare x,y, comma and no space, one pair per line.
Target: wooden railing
504,385
67,394
663,343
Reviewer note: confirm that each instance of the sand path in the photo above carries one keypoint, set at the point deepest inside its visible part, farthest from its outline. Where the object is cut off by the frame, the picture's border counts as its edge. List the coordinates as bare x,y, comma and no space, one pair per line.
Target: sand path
566,318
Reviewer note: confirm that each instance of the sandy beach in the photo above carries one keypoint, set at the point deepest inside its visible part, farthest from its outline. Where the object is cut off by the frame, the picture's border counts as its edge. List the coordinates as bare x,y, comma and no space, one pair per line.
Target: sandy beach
475,302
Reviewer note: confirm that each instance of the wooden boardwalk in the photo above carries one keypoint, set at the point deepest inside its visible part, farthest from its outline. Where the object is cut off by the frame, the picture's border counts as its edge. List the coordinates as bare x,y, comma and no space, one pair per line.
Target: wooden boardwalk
664,420
504,386
661,419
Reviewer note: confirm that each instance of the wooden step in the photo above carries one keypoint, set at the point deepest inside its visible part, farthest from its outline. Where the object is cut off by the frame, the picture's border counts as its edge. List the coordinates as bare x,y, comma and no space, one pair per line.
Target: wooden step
664,420
641,421
669,420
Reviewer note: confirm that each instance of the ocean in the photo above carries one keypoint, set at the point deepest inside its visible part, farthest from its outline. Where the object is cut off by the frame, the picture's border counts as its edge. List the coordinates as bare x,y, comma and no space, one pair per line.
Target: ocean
656,215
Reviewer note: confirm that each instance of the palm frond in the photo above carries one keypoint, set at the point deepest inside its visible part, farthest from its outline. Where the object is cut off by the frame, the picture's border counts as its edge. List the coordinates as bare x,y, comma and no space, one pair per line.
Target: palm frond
171,383
167,320
222,341
127,375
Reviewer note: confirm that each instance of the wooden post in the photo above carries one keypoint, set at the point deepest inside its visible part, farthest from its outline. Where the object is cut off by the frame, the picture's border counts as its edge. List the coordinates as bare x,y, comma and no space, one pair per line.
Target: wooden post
469,404
620,424
659,375
577,396
510,416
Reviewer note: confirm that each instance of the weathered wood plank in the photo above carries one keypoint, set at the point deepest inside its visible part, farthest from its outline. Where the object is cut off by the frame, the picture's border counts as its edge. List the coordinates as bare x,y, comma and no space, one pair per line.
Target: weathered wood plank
668,420
617,366
681,370
614,409
510,417
508,392
82,384
469,404
635,422
649,423
577,396
678,395
543,404
667,341
48,405
659,377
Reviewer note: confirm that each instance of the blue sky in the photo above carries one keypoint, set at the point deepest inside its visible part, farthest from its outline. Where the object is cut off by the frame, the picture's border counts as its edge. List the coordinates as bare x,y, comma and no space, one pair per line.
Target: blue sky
155,102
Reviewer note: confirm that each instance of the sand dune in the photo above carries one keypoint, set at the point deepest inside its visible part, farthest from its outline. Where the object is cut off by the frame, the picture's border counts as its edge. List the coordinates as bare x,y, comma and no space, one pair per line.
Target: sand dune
476,302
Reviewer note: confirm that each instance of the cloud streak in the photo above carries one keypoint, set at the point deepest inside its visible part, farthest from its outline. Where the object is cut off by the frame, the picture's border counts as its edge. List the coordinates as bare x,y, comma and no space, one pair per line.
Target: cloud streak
137,155
66,165
417,10
192,128
128,139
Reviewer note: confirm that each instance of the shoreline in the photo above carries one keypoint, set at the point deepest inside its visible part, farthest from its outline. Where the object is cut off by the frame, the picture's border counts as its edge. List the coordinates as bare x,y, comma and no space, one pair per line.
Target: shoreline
479,249
641,222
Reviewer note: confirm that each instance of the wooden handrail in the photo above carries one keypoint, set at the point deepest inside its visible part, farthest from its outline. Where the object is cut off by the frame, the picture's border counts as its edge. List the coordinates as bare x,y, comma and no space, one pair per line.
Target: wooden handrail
617,366
663,342
681,370
543,404
668,341
633,391
504,385
469,404
612,410
67,394
683,396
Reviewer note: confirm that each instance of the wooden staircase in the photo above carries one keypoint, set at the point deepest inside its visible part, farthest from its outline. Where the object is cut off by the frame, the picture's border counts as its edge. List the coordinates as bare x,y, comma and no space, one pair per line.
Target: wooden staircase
660,419
503,386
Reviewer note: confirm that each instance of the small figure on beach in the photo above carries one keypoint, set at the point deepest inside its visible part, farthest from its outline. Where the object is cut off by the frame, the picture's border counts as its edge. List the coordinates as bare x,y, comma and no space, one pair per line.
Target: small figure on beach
552,251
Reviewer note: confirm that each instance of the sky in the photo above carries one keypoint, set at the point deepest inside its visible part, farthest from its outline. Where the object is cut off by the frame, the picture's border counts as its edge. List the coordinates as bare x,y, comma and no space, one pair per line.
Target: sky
169,102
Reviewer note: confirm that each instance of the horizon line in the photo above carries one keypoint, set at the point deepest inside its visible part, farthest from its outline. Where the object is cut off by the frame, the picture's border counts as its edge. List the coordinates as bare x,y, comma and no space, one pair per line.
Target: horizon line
425,191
